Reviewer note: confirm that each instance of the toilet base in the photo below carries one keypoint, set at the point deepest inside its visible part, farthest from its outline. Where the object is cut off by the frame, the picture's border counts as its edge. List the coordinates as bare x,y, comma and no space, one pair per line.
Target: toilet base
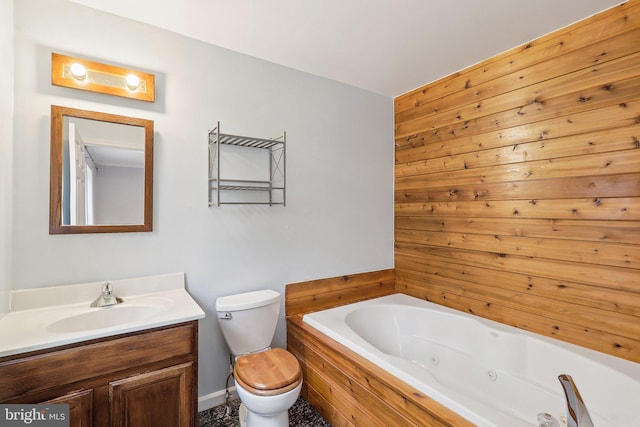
243,415
251,419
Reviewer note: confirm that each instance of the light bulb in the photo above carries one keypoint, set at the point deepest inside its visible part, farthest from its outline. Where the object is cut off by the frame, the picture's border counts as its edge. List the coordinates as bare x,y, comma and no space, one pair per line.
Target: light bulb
78,71
133,81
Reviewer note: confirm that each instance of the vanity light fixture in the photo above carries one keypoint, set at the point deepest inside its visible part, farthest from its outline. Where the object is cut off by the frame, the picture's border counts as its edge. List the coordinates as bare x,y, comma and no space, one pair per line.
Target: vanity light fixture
82,74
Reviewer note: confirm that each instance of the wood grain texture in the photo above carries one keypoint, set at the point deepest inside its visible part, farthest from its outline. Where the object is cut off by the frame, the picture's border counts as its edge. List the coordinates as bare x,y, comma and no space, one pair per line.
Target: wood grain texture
320,294
348,390
80,362
268,373
344,387
553,45
149,371
80,407
517,186
106,72
517,198
159,398
56,226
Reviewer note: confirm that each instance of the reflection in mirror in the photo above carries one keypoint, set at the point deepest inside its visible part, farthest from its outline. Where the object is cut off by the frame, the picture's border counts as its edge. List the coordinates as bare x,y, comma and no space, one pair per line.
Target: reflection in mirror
101,172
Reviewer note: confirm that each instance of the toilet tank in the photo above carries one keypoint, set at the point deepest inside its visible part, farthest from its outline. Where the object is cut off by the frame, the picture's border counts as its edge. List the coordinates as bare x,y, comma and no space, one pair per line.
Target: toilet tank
248,320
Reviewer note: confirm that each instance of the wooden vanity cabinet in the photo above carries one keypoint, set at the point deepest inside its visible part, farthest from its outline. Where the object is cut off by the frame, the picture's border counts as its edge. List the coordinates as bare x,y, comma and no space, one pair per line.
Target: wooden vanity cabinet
141,379
80,407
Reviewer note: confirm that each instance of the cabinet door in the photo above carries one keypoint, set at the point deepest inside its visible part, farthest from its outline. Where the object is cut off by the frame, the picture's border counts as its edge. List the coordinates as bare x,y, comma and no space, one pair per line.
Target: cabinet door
80,407
157,398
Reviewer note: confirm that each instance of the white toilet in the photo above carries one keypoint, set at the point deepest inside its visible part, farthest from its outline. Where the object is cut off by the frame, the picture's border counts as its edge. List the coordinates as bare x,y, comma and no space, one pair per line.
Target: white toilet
268,381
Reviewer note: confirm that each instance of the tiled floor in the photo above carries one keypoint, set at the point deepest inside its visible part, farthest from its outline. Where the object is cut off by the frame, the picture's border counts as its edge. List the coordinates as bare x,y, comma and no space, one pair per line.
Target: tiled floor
301,414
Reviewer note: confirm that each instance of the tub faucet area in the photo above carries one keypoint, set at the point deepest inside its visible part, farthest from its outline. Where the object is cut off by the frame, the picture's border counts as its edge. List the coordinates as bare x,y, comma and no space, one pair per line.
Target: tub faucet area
106,297
577,414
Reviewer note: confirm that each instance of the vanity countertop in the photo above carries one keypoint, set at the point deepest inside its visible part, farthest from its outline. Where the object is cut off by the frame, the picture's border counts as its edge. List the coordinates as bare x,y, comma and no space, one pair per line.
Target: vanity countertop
48,317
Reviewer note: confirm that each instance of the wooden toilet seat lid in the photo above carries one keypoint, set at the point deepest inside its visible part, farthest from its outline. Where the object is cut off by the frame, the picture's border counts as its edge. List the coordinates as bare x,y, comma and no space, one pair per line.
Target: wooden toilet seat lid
269,372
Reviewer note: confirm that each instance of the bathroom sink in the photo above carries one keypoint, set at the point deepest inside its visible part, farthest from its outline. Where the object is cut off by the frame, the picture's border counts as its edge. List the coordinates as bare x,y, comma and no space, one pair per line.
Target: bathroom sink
48,317
109,317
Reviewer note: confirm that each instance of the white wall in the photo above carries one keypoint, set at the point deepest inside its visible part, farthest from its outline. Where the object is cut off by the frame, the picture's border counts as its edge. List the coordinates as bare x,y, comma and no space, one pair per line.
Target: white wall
6,149
339,213
119,195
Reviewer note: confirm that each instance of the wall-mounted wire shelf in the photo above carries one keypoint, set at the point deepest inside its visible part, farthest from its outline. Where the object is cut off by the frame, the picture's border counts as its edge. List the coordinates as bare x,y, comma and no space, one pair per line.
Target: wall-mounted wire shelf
274,187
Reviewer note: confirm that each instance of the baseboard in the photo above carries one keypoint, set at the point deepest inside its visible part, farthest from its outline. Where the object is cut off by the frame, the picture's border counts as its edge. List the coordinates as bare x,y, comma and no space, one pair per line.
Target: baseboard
216,398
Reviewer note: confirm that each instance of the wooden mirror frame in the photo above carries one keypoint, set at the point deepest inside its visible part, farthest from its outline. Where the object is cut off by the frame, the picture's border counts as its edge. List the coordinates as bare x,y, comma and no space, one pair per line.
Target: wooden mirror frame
55,181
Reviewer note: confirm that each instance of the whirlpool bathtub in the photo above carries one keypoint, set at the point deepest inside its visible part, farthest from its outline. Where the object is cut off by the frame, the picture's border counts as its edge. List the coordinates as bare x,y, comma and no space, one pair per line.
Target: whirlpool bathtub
491,374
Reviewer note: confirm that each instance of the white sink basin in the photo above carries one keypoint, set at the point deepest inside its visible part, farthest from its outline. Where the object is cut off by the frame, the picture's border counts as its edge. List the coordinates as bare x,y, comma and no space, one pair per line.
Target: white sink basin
48,317
112,316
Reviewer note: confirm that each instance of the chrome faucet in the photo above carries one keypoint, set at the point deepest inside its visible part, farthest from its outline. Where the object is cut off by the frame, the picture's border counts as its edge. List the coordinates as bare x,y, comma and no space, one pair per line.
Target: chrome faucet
106,297
577,414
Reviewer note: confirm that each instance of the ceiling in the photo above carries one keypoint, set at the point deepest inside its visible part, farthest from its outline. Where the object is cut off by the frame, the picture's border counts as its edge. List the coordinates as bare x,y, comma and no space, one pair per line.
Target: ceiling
384,46
110,144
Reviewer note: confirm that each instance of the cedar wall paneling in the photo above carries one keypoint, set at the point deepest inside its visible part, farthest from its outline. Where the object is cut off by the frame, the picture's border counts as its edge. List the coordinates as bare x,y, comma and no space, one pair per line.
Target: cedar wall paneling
315,295
517,186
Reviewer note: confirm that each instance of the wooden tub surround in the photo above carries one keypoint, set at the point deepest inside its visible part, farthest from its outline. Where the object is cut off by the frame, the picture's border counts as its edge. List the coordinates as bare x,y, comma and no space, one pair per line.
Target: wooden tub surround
344,387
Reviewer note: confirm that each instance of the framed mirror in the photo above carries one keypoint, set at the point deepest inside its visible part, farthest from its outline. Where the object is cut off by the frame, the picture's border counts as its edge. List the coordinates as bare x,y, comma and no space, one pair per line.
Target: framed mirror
101,173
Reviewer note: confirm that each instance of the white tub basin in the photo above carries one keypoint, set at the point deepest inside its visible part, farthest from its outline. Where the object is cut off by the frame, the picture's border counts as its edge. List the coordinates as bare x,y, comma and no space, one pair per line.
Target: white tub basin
492,374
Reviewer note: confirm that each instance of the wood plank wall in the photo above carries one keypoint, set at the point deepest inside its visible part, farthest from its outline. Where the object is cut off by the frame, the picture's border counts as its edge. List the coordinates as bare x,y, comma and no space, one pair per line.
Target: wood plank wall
517,186
320,294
